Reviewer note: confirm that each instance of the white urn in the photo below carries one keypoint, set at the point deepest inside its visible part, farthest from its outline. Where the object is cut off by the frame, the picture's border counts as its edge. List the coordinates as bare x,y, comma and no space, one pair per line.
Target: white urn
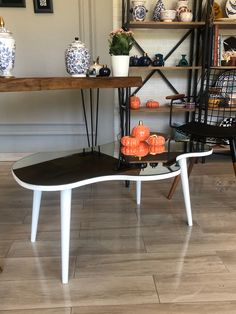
7,50
77,59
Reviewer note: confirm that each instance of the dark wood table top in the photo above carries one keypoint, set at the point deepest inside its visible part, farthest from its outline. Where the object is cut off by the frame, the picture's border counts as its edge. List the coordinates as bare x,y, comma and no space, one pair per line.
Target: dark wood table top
62,168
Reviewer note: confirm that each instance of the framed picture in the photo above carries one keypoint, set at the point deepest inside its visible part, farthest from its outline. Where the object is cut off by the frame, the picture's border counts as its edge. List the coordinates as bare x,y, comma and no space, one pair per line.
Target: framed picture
43,6
12,3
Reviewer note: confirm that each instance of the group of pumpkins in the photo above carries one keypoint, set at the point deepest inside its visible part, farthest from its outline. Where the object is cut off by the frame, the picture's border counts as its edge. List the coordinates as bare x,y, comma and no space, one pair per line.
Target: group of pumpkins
141,143
135,103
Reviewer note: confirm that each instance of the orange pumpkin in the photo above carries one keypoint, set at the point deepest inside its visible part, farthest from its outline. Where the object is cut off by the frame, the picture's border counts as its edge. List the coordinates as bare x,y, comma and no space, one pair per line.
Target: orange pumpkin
156,140
156,149
142,150
134,102
141,131
152,104
129,141
128,151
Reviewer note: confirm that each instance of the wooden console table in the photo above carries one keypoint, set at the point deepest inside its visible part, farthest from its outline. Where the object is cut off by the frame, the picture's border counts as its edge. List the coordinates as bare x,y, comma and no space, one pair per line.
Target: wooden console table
123,84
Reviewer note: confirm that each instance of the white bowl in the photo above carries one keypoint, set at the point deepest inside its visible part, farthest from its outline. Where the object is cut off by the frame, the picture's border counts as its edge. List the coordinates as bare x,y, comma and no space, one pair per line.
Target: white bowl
168,15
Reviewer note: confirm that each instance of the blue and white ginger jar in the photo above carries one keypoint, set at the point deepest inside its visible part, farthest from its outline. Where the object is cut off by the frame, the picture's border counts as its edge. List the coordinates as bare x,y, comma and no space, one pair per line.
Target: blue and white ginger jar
77,59
7,51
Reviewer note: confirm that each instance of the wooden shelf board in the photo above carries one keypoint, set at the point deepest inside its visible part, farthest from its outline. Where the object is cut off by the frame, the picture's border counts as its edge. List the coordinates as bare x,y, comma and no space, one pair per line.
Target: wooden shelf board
167,68
162,109
165,25
226,24
228,67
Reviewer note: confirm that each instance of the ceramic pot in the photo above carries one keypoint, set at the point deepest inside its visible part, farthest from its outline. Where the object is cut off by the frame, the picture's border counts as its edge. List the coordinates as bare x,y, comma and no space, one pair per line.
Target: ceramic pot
144,61
156,15
183,61
133,61
77,59
120,65
139,10
95,67
104,71
158,61
186,16
168,15
7,51
182,6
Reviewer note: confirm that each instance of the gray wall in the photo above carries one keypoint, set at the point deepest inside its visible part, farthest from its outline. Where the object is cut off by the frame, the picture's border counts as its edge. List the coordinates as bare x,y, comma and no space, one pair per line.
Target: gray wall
53,120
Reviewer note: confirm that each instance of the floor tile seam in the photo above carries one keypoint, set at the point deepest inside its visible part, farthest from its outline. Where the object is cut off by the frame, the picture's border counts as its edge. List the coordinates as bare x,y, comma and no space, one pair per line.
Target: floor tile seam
156,288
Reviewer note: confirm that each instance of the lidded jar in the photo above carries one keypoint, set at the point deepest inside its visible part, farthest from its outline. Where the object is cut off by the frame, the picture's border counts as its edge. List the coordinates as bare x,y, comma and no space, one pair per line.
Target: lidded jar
77,59
139,10
7,50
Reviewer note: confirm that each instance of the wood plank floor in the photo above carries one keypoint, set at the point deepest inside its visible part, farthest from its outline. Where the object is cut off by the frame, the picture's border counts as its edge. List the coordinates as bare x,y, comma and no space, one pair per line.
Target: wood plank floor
124,259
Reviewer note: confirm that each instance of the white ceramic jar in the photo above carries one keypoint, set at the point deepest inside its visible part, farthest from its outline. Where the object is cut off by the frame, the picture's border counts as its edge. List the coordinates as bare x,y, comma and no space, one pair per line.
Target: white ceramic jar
139,10
77,59
7,51
186,16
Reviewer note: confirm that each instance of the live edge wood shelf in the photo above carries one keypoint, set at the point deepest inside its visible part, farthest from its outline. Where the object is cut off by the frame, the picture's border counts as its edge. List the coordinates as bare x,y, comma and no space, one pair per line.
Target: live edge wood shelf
20,84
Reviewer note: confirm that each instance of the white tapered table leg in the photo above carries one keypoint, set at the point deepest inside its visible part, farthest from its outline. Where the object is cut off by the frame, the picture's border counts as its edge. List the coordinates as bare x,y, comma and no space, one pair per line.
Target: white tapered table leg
138,192
65,233
35,214
185,187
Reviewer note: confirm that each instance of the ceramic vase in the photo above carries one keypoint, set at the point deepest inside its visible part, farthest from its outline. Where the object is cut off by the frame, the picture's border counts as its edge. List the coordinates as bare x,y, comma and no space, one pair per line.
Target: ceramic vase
186,16
7,51
139,10
77,59
120,65
157,10
182,6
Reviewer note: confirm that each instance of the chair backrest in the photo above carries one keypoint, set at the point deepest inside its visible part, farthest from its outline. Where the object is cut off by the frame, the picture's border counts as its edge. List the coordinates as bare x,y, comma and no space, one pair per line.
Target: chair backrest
216,102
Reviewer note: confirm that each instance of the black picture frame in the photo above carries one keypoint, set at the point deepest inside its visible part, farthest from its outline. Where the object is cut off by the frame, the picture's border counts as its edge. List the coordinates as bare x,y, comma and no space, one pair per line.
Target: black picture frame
12,3
43,6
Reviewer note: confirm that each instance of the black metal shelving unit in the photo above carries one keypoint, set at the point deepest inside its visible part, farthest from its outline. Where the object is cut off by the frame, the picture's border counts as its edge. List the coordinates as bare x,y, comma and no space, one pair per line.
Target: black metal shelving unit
196,31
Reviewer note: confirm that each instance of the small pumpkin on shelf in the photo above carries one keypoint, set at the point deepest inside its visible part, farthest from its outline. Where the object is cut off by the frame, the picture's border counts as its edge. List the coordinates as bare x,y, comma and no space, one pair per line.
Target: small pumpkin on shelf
156,140
141,131
135,102
130,141
156,149
152,104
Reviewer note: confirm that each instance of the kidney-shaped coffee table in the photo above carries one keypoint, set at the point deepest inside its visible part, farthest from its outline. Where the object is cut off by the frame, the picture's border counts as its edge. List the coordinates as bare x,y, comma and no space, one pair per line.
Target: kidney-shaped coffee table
64,171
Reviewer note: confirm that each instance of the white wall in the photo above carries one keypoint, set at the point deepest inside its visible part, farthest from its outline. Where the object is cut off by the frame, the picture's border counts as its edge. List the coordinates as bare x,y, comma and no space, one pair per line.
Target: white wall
53,120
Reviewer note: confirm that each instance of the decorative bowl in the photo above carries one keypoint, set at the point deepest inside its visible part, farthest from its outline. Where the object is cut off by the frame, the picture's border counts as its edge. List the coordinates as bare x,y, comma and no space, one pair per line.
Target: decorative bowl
168,15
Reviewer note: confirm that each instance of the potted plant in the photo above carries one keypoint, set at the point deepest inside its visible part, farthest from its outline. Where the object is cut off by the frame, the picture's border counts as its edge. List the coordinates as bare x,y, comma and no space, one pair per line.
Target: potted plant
120,44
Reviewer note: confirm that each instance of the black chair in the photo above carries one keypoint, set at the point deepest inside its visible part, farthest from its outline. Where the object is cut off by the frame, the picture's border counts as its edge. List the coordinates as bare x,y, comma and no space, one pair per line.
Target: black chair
214,116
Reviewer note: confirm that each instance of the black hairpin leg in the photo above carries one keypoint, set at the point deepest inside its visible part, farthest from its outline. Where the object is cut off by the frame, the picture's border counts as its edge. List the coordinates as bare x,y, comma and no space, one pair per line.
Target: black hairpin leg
91,114
85,117
124,108
96,123
94,137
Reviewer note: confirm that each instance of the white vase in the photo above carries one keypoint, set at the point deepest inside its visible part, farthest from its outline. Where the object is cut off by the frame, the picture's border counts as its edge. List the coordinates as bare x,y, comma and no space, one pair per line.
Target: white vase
7,51
120,65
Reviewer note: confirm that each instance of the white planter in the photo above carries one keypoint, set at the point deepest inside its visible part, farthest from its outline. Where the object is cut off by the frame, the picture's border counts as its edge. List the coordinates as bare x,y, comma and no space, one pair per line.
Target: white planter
120,65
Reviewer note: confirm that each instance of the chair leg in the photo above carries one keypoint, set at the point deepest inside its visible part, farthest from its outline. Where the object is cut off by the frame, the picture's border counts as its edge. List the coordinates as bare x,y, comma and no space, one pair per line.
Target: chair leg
232,143
177,179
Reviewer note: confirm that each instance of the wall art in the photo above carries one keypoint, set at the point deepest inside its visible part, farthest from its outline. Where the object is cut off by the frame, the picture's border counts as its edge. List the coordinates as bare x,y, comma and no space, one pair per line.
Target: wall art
43,6
12,3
